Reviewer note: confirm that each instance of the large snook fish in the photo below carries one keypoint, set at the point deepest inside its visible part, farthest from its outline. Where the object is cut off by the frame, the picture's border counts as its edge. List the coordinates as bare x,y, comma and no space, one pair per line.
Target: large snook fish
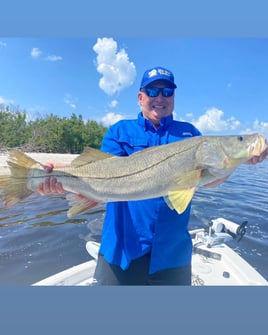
173,171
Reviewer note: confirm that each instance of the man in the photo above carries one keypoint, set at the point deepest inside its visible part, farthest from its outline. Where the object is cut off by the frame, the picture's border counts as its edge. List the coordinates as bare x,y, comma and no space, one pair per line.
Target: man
144,242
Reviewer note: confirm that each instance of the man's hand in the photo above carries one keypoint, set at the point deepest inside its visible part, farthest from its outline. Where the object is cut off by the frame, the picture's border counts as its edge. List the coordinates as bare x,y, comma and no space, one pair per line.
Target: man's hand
51,185
258,159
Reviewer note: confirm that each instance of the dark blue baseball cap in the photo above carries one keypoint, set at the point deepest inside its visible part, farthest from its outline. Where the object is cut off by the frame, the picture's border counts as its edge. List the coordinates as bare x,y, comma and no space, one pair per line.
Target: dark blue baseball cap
157,73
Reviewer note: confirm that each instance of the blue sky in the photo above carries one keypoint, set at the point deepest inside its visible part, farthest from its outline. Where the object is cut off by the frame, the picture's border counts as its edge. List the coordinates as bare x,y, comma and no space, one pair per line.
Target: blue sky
222,83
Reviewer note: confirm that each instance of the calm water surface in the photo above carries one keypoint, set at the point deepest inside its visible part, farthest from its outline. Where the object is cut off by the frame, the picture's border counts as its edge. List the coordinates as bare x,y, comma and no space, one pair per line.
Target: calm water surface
37,239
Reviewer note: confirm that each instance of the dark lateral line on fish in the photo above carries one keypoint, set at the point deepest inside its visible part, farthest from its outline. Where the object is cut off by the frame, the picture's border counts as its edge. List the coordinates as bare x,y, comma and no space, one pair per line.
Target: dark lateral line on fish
54,175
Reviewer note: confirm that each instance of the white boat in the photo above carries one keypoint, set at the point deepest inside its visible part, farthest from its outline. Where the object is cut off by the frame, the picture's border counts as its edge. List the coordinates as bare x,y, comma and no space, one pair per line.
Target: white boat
214,263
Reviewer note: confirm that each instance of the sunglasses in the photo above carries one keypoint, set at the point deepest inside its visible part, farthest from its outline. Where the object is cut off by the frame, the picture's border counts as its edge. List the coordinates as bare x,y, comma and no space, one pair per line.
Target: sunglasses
153,92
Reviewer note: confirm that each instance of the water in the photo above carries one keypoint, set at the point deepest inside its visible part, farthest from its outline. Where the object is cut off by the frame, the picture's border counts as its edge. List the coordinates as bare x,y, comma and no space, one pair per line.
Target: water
37,239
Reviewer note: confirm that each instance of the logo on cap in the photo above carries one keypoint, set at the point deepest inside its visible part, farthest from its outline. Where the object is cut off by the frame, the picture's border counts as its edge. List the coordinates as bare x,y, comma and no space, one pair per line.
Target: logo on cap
162,72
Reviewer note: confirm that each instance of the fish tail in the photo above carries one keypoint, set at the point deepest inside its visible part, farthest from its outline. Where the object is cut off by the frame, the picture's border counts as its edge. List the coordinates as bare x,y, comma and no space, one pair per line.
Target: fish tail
16,189
4,180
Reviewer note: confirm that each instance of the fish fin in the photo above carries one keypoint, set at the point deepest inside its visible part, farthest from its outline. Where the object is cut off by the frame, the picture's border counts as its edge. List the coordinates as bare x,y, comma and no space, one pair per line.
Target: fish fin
89,155
79,204
188,180
21,159
180,199
16,189
216,182
4,180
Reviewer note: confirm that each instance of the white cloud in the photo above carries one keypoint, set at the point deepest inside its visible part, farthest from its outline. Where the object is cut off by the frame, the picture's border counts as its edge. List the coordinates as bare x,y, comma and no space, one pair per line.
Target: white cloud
3,44
53,58
111,118
4,101
36,52
69,101
189,115
260,127
116,69
212,121
113,103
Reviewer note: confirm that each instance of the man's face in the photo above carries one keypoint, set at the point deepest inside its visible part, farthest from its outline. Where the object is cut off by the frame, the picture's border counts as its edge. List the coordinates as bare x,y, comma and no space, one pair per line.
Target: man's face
156,108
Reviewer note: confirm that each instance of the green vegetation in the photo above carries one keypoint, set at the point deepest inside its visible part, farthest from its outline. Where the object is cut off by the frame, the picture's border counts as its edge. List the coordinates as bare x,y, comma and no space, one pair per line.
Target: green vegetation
48,134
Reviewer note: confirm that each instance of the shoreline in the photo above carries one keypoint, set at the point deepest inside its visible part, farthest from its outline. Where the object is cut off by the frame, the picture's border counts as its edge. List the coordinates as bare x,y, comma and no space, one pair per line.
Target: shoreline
39,157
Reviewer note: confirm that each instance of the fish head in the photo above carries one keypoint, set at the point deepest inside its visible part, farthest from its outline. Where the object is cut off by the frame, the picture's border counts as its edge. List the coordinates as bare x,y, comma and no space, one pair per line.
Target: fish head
227,152
243,147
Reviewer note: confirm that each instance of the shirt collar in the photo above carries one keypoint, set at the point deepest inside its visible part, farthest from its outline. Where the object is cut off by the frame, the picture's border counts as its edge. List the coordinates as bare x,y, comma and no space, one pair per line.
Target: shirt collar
147,124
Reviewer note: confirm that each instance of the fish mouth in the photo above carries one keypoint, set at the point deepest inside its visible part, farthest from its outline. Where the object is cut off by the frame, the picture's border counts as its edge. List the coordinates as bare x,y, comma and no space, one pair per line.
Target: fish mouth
258,146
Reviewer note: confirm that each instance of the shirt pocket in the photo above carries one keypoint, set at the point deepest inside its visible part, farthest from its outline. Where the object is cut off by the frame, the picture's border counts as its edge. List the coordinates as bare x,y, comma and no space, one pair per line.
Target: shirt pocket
133,144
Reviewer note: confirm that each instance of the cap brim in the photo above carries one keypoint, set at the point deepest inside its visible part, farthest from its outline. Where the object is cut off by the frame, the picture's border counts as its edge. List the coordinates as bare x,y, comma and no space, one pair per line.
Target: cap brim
149,82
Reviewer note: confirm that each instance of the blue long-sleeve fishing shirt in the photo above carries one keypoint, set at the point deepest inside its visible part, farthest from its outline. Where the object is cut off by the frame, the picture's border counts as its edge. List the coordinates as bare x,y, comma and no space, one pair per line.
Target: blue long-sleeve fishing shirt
133,228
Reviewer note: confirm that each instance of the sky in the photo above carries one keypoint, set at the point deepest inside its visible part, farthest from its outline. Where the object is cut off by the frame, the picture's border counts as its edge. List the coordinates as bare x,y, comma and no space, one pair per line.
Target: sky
222,83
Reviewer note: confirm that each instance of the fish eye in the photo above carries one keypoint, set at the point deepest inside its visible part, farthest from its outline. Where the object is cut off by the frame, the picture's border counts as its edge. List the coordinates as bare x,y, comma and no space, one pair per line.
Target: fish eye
240,138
